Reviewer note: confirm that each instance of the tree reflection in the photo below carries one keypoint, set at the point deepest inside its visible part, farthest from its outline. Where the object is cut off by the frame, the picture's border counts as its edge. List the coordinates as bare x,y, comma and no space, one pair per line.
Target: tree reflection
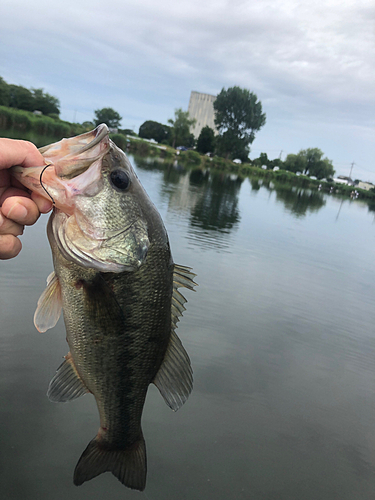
208,200
217,207
255,185
300,201
296,200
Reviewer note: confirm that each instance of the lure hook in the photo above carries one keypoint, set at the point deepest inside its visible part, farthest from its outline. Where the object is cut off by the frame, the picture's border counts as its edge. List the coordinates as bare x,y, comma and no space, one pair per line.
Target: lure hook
41,182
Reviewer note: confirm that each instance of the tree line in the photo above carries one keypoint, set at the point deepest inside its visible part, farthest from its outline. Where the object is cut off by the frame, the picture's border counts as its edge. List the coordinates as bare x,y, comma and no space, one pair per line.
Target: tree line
19,97
238,116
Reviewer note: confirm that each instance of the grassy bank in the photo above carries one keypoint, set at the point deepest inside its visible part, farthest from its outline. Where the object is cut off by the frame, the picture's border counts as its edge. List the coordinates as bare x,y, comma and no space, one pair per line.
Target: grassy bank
39,129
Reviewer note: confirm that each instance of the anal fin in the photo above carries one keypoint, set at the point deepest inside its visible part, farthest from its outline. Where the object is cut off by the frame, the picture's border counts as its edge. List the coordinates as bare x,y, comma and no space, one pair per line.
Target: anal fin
175,376
66,385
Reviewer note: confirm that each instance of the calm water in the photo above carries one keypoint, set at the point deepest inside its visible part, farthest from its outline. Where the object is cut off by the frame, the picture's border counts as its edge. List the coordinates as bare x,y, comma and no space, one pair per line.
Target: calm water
281,337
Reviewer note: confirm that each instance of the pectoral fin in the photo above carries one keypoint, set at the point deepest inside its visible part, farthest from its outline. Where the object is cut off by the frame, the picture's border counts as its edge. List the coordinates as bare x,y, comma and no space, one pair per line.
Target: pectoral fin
67,384
175,376
49,306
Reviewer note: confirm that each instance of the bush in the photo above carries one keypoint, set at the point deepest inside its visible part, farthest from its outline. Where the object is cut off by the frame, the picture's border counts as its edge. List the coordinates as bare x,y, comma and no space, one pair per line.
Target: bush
120,140
218,162
21,121
191,157
167,154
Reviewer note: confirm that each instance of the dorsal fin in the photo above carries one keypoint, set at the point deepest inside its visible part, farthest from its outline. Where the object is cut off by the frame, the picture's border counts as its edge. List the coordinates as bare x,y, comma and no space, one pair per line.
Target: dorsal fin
49,306
183,277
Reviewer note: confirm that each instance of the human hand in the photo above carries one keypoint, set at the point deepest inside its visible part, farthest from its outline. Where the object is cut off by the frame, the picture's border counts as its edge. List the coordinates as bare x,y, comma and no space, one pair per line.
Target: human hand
18,208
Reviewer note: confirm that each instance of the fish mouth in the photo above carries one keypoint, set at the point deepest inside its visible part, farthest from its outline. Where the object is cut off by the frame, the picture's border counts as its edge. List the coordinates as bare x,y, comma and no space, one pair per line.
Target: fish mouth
72,166
81,143
124,251
71,157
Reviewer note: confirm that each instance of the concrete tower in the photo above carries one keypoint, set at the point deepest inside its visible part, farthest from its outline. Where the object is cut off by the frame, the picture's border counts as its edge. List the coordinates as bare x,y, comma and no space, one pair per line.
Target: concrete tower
201,108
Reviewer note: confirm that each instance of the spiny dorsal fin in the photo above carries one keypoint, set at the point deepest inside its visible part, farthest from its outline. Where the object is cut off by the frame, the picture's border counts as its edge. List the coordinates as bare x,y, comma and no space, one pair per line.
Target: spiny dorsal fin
49,306
182,277
175,376
66,385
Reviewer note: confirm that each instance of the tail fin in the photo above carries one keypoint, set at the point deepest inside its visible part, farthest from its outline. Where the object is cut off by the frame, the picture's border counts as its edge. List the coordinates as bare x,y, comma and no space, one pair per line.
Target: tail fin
129,465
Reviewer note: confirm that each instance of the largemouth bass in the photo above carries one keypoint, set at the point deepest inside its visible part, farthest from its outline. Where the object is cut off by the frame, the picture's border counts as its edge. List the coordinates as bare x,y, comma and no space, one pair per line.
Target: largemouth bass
116,283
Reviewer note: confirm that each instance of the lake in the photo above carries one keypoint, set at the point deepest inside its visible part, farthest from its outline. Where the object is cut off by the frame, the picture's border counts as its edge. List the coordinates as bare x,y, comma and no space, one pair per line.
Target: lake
281,337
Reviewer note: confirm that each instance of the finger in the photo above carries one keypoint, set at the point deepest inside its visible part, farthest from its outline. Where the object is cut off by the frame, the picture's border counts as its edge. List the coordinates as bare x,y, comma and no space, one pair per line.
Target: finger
11,191
8,226
43,205
22,153
10,246
21,210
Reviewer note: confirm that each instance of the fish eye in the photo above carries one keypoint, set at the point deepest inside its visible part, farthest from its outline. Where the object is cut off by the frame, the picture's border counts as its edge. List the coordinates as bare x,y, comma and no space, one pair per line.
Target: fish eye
120,179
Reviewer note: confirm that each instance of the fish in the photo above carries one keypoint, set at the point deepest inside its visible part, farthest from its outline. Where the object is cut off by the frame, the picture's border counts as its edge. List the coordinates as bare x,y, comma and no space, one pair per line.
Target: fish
116,283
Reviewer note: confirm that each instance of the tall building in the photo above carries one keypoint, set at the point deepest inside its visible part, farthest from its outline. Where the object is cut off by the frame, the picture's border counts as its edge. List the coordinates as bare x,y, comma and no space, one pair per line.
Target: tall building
201,108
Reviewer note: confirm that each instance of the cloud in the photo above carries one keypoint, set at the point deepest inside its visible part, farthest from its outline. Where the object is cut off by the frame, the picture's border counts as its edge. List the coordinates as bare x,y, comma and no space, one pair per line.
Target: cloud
307,62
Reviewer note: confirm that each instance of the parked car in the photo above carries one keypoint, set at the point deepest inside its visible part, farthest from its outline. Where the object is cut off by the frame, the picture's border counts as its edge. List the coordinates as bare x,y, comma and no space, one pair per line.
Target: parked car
181,148
237,160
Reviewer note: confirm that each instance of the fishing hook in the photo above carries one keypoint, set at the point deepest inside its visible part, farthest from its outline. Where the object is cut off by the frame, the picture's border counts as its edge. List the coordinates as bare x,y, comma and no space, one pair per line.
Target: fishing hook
41,182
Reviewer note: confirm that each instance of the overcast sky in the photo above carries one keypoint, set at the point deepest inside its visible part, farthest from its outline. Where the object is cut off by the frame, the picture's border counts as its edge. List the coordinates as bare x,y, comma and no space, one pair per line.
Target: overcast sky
310,63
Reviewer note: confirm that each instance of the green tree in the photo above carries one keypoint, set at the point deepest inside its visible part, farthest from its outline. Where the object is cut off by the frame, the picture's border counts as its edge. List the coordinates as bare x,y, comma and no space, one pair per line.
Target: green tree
262,160
180,129
87,125
238,115
295,163
154,130
315,163
108,116
206,140
126,131
4,93
45,103
21,98
310,162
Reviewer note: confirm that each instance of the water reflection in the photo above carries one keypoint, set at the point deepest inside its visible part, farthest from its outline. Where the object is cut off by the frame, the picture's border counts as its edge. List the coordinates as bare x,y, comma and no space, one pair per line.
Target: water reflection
214,202
217,208
207,199
298,201
213,197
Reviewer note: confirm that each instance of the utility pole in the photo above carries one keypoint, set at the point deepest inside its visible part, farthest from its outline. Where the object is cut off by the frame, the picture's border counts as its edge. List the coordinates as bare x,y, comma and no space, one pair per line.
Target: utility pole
351,168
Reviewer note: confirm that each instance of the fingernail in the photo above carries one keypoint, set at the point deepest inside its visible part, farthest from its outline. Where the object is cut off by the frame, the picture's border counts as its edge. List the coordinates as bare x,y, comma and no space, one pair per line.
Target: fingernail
21,211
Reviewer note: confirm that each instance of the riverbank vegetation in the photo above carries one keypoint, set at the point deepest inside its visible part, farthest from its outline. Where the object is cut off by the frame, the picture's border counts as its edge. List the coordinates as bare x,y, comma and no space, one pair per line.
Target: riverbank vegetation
39,129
